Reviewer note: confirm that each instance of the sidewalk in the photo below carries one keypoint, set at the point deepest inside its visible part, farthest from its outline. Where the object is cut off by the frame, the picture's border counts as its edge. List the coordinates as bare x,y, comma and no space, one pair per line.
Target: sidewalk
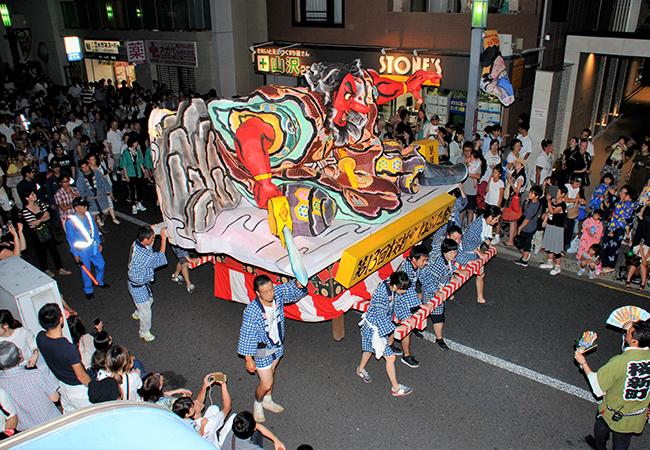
633,121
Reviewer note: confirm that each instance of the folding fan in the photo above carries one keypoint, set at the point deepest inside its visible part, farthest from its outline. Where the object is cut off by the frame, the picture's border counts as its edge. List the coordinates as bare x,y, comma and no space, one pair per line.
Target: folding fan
624,316
587,341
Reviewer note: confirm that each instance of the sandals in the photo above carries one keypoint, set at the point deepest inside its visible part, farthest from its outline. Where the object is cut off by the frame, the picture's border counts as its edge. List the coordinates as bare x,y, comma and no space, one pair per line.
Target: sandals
628,286
640,290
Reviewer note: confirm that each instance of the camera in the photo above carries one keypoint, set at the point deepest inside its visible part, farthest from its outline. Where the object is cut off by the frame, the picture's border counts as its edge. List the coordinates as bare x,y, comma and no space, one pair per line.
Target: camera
219,377
617,416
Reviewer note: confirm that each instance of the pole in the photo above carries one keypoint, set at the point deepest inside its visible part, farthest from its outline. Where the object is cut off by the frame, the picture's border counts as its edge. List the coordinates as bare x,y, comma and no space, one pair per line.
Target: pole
471,107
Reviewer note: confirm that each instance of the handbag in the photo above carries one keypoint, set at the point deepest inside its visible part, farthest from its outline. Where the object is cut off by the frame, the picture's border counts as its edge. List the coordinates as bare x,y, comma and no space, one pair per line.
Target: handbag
512,213
12,182
43,233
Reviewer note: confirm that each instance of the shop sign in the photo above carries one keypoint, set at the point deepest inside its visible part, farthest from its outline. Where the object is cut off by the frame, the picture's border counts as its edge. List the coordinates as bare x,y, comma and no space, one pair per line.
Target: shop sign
135,52
400,67
102,49
72,48
292,62
172,53
457,105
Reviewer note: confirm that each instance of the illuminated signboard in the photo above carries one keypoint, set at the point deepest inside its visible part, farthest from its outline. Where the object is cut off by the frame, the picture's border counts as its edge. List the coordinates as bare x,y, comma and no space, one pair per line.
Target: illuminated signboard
292,62
72,48
401,66
102,49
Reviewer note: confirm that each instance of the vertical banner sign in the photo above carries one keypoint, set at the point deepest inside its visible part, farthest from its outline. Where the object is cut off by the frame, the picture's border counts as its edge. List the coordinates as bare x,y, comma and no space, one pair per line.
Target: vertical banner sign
494,79
135,52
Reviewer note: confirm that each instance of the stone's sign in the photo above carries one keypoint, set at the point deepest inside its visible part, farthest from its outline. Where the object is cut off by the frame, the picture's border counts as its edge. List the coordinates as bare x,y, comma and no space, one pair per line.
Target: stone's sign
102,49
293,62
377,250
406,65
172,53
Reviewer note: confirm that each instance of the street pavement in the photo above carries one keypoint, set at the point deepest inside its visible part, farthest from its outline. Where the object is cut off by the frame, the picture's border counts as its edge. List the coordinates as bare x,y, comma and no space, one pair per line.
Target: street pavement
508,382
461,400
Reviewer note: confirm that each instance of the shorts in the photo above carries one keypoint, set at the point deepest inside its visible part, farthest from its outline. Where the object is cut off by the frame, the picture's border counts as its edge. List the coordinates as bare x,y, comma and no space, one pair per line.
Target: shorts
523,241
437,318
366,341
471,203
181,254
266,363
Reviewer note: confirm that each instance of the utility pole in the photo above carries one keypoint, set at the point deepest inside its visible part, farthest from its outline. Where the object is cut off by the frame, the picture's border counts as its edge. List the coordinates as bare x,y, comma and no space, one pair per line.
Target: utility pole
479,23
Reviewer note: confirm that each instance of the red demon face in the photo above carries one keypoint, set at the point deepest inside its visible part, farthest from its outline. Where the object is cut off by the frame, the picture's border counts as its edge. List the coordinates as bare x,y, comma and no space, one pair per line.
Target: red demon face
353,94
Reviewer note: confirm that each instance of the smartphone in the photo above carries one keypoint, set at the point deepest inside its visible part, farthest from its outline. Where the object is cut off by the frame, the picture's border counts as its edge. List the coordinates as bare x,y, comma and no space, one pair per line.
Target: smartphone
220,377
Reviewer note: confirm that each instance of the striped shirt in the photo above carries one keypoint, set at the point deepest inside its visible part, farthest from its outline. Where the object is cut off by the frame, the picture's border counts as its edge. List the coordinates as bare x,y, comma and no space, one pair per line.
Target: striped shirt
30,216
30,391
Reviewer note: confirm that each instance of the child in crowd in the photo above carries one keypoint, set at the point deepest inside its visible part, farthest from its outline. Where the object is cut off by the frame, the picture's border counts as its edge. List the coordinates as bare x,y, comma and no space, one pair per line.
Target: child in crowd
596,201
592,232
590,259
554,234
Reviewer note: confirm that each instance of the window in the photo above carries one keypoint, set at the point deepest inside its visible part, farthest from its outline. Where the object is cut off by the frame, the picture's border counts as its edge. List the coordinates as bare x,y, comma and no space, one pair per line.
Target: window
560,11
318,13
69,11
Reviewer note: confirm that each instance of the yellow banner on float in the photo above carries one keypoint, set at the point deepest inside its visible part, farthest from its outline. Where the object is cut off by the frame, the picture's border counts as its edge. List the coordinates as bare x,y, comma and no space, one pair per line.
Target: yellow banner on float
378,249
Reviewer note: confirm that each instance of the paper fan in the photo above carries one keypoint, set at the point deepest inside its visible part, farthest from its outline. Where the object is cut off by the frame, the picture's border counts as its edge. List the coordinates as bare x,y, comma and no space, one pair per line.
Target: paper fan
624,316
587,341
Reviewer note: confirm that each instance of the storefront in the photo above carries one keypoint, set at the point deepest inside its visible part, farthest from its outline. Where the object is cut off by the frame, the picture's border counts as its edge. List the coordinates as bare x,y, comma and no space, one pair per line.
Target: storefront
108,60
446,98
176,63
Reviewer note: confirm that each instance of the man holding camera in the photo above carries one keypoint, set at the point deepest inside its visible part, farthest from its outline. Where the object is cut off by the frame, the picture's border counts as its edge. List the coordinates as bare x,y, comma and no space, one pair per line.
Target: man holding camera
262,335
624,384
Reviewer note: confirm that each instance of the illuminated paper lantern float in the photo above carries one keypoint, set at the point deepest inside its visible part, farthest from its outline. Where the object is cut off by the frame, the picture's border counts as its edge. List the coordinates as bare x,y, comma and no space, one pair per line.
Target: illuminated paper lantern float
309,166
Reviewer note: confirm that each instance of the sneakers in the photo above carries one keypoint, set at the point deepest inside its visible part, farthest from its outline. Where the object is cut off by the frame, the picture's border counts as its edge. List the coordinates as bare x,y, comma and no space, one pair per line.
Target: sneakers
49,273
134,210
591,441
140,207
90,296
396,350
410,361
547,265
148,336
62,271
364,375
496,239
592,275
258,412
191,288
556,270
116,222
401,390
417,333
441,343
581,272
178,278
135,316
522,262
268,403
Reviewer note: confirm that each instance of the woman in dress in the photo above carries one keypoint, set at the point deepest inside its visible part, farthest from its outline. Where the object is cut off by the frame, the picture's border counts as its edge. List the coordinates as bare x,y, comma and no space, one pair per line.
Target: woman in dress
553,241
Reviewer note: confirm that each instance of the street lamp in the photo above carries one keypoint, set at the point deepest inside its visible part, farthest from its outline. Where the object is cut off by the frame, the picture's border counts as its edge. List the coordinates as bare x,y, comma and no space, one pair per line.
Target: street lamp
6,21
479,23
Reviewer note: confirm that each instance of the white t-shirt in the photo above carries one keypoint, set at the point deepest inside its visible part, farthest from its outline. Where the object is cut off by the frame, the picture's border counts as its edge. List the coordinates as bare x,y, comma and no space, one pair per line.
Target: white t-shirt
7,405
491,160
72,125
526,145
546,163
24,340
272,320
492,196
131,382
115,139
7,131
590,149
